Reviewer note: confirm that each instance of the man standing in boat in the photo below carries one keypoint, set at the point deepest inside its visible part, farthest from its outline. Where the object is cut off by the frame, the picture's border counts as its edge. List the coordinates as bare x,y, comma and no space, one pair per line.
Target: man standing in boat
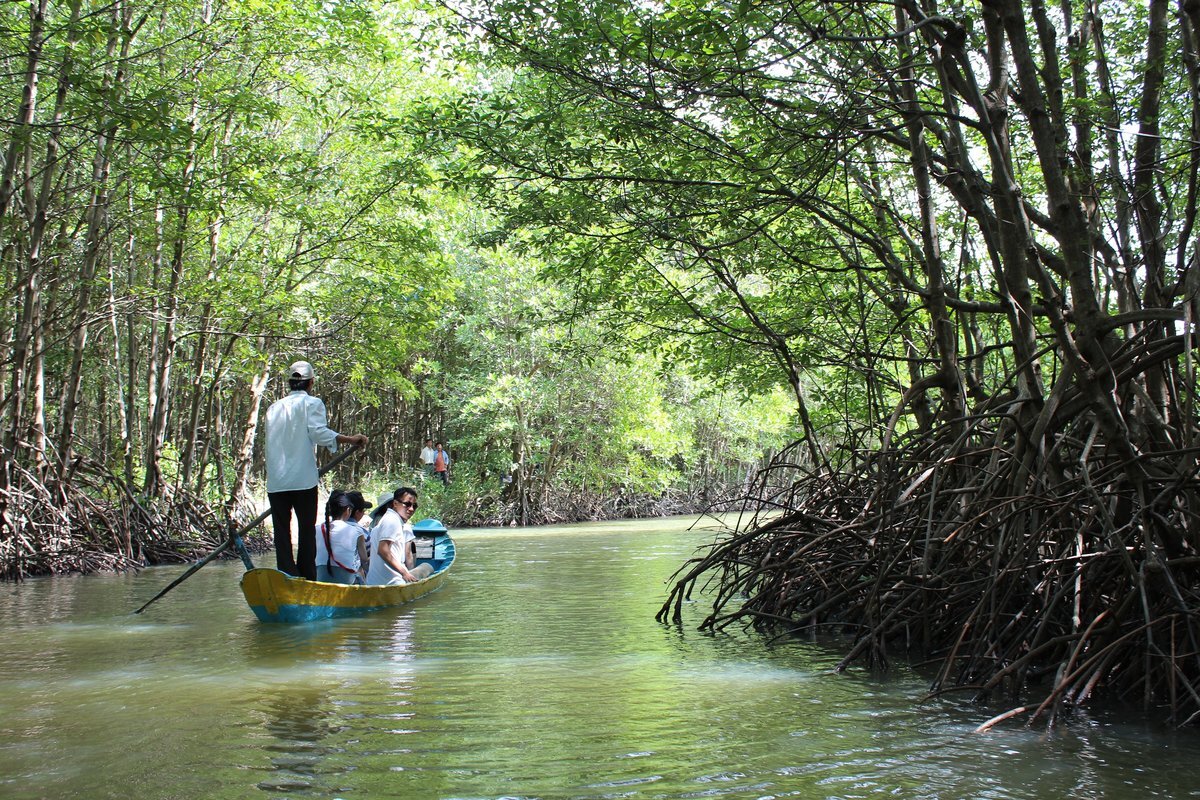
296,427
392,559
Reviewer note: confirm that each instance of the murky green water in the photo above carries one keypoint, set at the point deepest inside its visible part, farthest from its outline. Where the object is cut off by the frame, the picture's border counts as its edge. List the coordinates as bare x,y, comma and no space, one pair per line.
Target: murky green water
536,672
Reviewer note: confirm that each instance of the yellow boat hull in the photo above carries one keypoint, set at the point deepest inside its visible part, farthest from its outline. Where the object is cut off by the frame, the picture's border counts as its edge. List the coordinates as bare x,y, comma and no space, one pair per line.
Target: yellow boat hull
274,596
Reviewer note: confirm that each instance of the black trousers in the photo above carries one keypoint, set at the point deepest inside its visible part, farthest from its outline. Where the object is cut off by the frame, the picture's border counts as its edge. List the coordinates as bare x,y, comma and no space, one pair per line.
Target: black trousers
304,503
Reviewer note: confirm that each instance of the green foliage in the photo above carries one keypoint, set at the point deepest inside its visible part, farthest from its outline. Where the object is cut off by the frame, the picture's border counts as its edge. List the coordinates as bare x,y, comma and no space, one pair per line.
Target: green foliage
282,180
548,412
674,174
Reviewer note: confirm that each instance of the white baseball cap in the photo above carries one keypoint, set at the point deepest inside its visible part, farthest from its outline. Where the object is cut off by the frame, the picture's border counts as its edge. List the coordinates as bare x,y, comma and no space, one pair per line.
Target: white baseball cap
301,371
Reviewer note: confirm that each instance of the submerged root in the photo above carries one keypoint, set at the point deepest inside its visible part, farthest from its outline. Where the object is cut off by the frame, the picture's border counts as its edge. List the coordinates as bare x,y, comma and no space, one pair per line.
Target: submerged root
1058,578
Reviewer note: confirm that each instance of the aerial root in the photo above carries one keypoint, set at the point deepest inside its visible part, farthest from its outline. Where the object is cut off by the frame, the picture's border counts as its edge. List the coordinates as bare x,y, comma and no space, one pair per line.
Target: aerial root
1062,579
96,525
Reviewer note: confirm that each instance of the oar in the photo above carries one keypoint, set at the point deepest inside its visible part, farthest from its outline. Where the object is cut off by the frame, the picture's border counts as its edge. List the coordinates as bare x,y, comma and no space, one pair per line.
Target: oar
236,537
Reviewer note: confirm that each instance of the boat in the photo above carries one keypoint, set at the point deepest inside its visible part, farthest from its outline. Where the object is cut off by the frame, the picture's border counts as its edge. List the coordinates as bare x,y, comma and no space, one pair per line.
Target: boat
275,596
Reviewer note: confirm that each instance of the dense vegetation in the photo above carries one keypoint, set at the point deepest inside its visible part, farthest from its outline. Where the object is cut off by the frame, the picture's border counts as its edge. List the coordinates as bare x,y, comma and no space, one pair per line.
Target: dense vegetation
616,253
195,194
969,230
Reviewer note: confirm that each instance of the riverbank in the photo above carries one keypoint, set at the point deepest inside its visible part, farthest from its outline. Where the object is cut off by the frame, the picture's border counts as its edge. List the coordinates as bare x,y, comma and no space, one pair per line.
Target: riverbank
107,528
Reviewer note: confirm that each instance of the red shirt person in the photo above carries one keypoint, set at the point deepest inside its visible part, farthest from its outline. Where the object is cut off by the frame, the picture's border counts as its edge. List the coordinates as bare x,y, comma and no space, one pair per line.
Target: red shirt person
441,464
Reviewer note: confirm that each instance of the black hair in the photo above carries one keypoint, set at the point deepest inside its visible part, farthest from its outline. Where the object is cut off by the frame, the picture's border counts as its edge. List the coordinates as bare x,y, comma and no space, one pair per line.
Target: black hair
357,501
337,503
299,383
403,490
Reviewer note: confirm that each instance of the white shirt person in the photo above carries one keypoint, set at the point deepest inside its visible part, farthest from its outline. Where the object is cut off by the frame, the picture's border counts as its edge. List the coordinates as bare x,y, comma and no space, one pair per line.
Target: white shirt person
392,559
296,425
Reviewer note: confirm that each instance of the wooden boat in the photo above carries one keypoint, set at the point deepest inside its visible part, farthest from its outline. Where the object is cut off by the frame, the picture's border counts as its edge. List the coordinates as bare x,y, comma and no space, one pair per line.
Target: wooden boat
275,596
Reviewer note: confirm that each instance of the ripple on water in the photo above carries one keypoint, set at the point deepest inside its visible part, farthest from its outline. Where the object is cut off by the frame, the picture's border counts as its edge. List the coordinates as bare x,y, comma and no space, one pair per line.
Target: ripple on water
537,671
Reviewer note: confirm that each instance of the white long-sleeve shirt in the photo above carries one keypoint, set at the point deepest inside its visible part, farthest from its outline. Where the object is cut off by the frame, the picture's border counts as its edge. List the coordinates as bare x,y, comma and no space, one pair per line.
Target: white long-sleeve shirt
296,427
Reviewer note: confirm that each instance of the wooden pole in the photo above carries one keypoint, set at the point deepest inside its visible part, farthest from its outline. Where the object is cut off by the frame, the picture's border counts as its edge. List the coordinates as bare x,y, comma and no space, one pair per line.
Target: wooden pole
235,537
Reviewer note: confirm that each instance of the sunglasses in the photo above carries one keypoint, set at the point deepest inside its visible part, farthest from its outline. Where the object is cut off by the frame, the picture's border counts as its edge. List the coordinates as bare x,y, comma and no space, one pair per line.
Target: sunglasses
408,503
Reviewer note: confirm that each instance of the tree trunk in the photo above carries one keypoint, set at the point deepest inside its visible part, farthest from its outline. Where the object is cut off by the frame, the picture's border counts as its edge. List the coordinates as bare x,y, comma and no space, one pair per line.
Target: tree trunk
97,235
245,454
155,482
215,225
943,331
153,478
22,126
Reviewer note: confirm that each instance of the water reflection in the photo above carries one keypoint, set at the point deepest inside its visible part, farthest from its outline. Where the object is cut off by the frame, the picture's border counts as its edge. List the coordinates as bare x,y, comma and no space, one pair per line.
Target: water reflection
323,680
401,646
299,719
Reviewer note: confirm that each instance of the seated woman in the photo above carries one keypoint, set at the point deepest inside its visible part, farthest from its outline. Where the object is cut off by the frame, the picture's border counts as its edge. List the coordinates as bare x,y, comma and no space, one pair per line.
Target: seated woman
359,517
392,559
341,541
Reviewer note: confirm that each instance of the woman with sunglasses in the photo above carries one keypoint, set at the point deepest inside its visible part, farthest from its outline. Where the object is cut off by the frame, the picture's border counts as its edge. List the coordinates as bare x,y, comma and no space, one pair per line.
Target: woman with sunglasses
392,559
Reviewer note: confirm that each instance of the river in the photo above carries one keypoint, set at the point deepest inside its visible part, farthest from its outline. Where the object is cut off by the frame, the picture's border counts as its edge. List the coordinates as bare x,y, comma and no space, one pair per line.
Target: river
537,671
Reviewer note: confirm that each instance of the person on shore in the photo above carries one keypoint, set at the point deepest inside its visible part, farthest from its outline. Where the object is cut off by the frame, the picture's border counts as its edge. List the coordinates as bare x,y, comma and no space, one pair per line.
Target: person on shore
295,427
441,465
341,541
428,456
392,552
